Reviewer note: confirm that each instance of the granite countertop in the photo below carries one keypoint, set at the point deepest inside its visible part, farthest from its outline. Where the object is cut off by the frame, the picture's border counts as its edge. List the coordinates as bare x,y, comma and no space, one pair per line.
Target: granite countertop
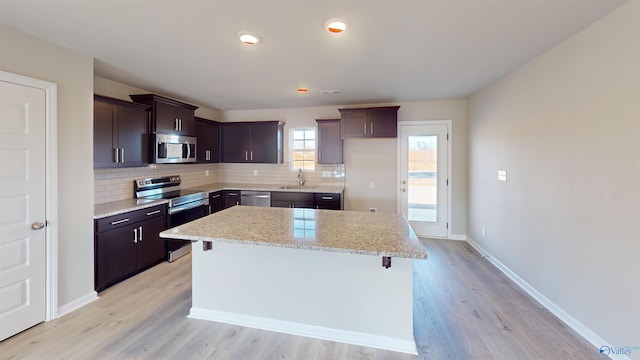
123,206
269,187
383,234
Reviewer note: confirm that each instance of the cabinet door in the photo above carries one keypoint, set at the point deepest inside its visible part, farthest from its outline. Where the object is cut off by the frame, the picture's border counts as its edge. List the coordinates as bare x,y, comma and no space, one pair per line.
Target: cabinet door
208,133
235,143
104,127
383,123
132,137
115,256
265,147
292,199
151,249
329,142
354,124
329,201
231,198
185,120
164,118
216,202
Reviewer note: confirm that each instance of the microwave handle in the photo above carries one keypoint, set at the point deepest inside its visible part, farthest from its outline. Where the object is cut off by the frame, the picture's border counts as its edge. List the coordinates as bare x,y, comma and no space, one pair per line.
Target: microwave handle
188,150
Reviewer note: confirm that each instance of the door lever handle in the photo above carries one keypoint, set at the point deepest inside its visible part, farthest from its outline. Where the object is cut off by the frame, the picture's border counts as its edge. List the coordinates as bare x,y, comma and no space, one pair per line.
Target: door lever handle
36,225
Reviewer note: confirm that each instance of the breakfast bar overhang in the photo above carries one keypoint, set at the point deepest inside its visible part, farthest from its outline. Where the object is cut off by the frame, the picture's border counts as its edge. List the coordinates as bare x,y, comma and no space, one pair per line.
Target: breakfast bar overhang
336,275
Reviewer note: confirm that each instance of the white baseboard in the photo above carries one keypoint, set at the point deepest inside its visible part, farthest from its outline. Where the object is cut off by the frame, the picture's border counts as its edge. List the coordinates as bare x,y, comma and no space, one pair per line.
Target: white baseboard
77,303
318,332
460,237
569,320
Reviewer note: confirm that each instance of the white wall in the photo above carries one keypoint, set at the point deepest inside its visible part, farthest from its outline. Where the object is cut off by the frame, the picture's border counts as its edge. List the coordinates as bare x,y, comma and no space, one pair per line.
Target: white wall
375,160
566,128
24,54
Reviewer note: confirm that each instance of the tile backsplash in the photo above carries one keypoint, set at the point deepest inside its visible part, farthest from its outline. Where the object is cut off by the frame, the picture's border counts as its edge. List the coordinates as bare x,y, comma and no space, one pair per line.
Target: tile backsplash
117,184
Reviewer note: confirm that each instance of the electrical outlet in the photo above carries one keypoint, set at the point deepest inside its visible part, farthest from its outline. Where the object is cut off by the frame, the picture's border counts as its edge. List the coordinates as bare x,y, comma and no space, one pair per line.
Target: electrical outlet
255,172
206,173
373,209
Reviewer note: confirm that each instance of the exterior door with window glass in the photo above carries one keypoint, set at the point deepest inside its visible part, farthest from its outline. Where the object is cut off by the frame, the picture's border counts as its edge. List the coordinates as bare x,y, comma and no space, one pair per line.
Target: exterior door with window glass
423,189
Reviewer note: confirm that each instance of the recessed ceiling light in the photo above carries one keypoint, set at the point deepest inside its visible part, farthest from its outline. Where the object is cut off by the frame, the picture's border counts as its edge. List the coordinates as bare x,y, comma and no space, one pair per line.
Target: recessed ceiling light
335,25
248,38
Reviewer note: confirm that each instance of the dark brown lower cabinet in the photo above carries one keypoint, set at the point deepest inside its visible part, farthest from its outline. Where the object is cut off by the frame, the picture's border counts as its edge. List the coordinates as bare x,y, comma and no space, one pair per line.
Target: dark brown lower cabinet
292,199
127,244
230,198
328,201
216,202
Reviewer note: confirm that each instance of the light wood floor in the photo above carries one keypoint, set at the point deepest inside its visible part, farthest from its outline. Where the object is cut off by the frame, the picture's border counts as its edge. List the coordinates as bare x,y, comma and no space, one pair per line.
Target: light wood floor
464,308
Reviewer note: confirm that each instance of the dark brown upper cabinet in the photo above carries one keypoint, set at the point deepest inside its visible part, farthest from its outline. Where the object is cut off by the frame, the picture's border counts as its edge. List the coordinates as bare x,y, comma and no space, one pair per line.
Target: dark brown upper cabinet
119,133
374,122
168,116
252,142
329,141
208,134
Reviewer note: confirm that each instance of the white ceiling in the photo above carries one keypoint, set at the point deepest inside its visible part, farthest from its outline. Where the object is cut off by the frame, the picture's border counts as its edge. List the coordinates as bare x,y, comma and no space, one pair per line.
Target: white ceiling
394,50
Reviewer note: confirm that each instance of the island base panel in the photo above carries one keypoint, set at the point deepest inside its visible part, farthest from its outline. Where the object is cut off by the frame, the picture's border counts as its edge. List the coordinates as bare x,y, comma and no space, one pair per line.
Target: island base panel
336,296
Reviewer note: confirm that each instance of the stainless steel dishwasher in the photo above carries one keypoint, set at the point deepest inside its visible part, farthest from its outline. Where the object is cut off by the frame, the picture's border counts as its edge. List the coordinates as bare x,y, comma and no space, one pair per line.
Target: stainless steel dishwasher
255,198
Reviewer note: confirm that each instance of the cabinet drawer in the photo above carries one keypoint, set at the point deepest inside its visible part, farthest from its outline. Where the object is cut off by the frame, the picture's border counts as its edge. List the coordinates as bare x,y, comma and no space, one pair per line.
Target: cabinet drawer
120,220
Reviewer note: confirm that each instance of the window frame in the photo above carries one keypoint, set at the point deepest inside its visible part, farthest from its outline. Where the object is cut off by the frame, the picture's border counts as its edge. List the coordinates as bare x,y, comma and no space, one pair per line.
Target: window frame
313,151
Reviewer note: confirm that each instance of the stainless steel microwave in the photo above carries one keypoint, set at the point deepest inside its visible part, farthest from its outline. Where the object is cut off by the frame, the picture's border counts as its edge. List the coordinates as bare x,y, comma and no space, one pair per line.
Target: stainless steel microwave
171,149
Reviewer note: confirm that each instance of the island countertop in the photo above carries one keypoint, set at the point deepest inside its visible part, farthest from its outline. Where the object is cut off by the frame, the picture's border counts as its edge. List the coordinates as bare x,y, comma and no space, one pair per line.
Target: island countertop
381,234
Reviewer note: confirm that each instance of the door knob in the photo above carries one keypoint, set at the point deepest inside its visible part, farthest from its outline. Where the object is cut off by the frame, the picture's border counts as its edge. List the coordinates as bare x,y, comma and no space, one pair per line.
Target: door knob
36,225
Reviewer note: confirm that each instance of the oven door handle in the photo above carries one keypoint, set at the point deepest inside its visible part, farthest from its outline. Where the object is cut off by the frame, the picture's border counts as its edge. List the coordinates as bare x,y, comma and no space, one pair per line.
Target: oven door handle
187,206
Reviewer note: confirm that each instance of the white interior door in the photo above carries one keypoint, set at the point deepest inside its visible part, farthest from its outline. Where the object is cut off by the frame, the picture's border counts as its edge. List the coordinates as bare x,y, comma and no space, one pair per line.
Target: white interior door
423,189
22,208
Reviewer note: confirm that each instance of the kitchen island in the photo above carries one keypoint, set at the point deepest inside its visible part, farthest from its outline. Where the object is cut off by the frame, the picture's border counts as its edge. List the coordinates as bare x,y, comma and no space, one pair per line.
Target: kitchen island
336,275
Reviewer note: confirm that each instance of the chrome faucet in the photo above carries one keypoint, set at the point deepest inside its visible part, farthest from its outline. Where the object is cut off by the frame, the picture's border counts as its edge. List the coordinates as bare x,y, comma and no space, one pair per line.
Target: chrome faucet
300,178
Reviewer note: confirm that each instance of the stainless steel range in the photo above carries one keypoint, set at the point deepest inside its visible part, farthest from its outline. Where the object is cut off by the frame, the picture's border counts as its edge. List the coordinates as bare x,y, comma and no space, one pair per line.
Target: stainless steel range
184,206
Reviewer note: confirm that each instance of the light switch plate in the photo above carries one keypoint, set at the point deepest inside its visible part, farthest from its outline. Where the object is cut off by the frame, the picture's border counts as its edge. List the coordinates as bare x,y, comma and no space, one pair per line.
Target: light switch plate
502,175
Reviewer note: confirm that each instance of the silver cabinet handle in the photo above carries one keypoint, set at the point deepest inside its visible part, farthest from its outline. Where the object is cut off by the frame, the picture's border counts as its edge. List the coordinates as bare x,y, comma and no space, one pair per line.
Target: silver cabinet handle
153,212
135,235
36,225
365,128
246,156
327,198
251,155
371,128
207,155
176,126
216,196
140,227
119,221
233,194
116,155
121,155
